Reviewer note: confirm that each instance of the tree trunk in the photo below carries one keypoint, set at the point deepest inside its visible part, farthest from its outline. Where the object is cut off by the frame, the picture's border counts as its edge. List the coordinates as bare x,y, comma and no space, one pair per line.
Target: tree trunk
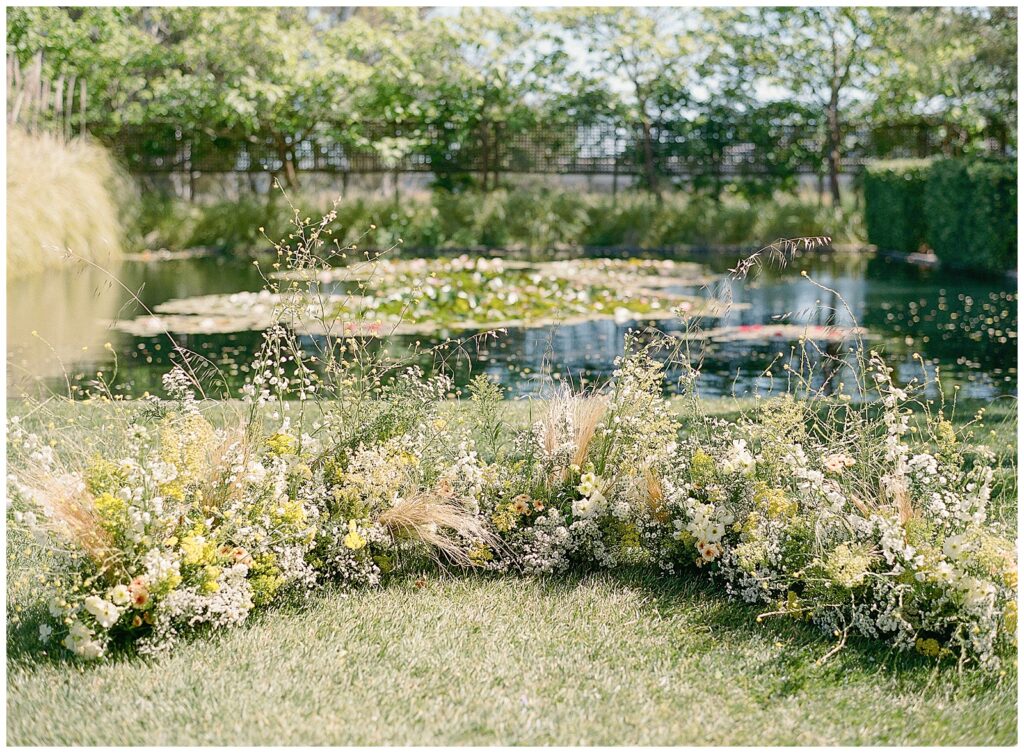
649,167
834,140
291,177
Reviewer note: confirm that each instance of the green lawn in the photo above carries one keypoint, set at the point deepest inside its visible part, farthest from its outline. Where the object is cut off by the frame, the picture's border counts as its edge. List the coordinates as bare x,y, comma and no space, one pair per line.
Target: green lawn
599,658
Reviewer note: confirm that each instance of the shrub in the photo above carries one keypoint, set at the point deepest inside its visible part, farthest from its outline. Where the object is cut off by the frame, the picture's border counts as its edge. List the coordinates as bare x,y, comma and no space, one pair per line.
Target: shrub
947,195
535,219
625,220
894,204
971,207
992,217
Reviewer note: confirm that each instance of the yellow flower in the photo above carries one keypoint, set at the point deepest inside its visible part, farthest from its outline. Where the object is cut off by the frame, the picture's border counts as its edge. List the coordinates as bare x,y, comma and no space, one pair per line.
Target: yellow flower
928,646
505,518
352,539
290,512
702,468
848,565
945,434
196,550
186,442
1010,617
282,444
774,501
173,489
109,507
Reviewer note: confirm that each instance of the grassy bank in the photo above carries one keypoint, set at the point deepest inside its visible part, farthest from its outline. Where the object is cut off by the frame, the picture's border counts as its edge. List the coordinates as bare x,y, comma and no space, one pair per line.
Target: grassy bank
602,658
531,219
61,196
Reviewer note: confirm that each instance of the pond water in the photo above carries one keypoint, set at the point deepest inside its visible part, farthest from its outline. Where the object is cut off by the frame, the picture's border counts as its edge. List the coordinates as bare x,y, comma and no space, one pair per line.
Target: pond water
965,326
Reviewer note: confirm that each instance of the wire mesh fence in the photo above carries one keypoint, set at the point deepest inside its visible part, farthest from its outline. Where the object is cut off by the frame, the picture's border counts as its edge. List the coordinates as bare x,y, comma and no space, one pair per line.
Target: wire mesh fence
678,149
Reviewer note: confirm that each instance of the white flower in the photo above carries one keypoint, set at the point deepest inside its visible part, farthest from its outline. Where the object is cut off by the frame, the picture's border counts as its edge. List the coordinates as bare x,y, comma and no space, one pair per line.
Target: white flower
587,483
106,614
944,572
89,649
739,459
79,632
953,547
255,472
45,631
56,607
583,508
120,595
978,593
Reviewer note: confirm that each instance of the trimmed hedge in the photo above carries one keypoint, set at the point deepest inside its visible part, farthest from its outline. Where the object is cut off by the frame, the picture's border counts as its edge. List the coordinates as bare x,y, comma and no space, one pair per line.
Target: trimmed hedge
972,213
964,209
894,204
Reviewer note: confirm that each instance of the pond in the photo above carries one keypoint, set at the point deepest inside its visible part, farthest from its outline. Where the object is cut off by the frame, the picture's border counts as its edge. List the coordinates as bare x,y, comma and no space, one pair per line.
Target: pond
965,326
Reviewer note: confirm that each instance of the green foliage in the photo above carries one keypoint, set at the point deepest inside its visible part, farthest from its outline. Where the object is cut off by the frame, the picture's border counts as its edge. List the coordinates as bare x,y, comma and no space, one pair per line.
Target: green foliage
331,72
966,59
894,204
965,209
992,222
530,219
971,208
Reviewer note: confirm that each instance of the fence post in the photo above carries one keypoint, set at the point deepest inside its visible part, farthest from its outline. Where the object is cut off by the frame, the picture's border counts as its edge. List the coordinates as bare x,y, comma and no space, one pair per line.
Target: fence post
615,170
485,154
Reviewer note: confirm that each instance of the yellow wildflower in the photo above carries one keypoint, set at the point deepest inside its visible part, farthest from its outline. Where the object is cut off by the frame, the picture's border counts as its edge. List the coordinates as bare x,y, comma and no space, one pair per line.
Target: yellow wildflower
282,444
352,539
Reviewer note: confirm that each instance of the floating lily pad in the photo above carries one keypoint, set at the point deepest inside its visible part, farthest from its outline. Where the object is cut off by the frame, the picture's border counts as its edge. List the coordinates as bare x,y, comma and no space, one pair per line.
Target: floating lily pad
425,295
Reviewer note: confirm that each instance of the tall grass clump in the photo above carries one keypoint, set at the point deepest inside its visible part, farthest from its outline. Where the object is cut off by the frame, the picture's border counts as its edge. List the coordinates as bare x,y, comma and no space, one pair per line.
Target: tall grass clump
62,198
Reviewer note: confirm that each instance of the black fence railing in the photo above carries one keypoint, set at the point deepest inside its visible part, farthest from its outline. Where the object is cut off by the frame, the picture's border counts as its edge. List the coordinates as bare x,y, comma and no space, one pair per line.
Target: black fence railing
681,149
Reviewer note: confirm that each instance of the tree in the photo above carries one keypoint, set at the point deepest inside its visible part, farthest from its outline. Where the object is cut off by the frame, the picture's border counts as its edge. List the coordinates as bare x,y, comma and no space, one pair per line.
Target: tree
826,57
647,51
277,88
957,64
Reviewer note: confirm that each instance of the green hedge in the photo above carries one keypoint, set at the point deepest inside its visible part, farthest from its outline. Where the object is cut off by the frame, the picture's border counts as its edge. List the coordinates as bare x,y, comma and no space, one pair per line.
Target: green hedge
894,204
972,213
964,209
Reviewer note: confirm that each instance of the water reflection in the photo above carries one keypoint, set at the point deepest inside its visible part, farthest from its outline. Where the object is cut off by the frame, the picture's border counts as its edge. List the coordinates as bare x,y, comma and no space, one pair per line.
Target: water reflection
58,320
965,327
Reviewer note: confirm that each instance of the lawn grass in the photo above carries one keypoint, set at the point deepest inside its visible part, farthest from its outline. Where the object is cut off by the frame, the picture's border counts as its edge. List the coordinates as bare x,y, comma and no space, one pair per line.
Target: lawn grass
605,658
625,657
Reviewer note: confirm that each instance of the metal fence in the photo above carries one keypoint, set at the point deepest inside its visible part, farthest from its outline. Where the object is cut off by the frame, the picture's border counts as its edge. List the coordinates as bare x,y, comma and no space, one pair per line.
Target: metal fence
680,149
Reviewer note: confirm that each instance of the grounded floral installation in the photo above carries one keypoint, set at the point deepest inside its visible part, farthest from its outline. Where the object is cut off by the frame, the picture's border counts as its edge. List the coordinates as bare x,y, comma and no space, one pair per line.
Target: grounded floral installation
832,511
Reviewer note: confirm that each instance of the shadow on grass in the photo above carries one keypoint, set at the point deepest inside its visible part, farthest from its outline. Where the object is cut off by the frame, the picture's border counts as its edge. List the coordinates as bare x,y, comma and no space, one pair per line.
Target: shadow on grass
801,648
717,621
